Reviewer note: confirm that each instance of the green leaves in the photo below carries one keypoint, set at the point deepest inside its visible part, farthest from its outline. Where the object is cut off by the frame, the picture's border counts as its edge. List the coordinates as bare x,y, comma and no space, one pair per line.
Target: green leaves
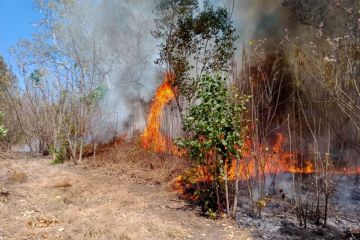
36,76
193,39
3,130
216,127
95,96
217,123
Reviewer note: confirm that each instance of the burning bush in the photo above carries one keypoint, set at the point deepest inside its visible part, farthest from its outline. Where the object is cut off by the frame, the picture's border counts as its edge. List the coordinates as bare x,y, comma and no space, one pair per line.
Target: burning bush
216,127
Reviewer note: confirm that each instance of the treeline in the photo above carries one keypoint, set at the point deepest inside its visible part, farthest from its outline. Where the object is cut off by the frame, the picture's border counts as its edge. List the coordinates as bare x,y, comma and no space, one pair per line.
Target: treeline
64,72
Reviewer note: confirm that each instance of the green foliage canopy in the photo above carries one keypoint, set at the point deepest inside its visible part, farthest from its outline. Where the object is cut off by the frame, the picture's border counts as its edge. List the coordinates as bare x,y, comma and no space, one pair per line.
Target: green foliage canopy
3,130
193,39
216,124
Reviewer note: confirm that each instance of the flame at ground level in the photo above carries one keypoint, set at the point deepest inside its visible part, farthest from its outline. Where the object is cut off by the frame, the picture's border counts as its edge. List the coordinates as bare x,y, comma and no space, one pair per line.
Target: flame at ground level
274,160
257,159
268,160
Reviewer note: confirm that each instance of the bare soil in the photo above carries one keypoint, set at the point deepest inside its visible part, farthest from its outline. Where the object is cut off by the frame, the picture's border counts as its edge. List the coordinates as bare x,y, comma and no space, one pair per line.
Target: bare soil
123,194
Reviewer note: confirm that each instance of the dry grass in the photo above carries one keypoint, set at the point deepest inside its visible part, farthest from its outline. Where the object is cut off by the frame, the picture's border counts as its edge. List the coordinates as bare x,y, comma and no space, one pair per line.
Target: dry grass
16,177
120,195
63,184
141,164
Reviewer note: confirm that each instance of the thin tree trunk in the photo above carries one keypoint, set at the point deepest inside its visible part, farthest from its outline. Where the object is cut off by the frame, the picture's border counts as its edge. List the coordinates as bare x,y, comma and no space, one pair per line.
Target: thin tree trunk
326,208
227,194
80,151
218,196
236,187
94,154
317,208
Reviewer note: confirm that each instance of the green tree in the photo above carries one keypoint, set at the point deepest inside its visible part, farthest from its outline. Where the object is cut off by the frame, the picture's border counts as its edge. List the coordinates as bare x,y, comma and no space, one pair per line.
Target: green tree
3,130
6,77
193,40
10,131
217,126
7,80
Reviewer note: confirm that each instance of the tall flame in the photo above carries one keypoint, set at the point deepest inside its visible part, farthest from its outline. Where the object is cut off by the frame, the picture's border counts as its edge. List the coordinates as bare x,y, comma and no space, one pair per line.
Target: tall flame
152,138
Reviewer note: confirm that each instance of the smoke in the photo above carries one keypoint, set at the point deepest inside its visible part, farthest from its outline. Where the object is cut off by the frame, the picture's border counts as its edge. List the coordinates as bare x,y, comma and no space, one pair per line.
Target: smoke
114,38
113,41
258,19
125,27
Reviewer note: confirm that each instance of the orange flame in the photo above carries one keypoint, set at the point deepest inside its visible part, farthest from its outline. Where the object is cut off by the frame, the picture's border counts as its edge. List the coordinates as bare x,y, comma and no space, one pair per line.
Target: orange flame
256,158
152,138
268,160
276,161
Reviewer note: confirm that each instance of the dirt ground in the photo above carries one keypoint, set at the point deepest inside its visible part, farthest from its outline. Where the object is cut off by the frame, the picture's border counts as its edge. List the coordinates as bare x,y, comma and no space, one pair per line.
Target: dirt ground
117,199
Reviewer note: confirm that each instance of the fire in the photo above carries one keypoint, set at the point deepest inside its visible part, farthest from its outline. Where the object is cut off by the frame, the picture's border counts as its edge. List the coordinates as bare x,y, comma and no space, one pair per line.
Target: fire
268,160
152,138
264,160
352,171
275,160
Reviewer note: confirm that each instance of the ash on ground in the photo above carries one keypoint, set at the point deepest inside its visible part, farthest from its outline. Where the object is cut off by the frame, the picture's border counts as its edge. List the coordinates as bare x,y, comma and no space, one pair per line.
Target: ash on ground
279,220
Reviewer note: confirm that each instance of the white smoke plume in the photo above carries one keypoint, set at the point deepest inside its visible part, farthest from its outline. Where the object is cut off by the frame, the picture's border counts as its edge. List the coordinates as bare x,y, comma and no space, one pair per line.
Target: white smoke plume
114,38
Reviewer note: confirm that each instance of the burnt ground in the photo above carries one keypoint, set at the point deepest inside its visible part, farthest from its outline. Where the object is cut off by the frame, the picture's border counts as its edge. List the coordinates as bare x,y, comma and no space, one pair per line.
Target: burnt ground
278,219
120,195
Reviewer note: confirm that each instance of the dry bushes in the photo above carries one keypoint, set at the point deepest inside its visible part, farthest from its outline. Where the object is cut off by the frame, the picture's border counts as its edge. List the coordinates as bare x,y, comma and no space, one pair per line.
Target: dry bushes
128,157
63,184
16,177
93,149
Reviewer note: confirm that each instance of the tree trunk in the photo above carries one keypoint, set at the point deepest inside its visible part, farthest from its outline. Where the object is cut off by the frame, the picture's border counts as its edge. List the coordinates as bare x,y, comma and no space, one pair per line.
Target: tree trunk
80,151
326,207
227,194
236,192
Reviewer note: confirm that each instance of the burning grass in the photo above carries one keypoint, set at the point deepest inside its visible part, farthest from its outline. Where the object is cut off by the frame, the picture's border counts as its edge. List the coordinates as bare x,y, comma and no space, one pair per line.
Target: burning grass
197,183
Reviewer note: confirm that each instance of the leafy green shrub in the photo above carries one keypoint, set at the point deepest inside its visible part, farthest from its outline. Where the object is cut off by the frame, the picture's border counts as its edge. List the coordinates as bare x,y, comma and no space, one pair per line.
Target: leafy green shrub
3,131
59,153
216,127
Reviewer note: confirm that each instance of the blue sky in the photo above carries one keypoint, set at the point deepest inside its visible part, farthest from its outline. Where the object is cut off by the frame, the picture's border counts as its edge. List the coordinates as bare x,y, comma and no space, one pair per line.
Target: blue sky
16,19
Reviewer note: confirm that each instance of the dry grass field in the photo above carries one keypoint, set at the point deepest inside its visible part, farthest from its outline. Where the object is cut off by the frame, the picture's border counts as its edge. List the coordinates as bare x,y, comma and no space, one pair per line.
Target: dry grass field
125,193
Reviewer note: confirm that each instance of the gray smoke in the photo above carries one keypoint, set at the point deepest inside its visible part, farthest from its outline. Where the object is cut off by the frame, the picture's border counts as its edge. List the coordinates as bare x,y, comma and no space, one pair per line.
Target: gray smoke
258,19
115,38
